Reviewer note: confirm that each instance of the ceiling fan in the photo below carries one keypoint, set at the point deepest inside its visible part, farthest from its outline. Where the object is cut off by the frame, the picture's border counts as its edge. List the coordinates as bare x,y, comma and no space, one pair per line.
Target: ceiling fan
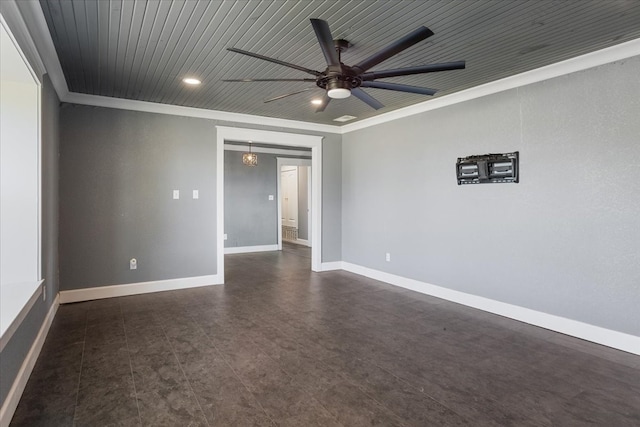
341,81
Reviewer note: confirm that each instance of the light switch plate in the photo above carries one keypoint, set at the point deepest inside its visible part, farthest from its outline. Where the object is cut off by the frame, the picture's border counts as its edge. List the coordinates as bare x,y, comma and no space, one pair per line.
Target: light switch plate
176,194
196,194
225,236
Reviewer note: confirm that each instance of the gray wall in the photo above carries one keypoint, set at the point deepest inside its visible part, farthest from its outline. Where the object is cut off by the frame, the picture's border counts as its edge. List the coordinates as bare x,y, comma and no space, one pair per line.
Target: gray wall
118,169
332,198
564,241
303,202
17,348
250,218
117,172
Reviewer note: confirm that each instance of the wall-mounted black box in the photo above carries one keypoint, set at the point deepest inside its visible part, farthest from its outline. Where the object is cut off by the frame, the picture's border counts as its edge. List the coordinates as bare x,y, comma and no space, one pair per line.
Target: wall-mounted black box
487,168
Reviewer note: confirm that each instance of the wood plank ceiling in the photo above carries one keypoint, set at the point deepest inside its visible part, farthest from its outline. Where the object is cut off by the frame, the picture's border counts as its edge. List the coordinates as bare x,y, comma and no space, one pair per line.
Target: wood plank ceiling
142,49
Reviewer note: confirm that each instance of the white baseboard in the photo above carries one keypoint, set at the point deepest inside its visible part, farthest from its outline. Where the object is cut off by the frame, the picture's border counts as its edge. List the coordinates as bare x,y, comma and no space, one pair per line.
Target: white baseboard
585,331
15,393
100,292
331,266
17,301
301,242
247,249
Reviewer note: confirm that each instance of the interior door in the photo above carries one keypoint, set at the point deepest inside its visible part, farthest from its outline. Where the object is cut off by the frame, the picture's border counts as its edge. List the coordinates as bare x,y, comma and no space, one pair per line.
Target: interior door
289,184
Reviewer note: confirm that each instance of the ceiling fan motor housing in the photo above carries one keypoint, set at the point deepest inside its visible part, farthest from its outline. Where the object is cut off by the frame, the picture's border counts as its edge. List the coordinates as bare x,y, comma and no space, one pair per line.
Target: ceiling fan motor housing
342,77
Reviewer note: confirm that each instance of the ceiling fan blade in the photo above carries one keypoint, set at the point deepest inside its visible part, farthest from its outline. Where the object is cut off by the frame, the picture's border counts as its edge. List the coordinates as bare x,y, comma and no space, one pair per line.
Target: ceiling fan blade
325,102
400,88
323,33
366,98
421,69
275,61
287,94
267,80
394,48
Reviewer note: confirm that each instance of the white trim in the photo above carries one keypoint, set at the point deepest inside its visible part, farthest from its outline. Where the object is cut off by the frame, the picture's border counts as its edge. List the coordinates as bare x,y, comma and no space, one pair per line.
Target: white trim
585,331
287,161
579,63
15,300
301,242
11,13
284,161
233,147
47,54
220,206
39,149
249,249
277,138
42,40
100,292
309,209
176,110
332,266
26,292
17,388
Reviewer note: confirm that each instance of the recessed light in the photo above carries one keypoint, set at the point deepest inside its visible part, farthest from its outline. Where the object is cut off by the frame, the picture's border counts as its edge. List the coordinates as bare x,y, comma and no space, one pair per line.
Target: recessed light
316,101
191,81
344,118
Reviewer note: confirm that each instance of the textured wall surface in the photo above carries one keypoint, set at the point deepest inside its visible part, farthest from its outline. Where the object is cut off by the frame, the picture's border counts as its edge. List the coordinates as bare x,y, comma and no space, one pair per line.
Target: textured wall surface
250,218
564,241
18,347
118,169
331,198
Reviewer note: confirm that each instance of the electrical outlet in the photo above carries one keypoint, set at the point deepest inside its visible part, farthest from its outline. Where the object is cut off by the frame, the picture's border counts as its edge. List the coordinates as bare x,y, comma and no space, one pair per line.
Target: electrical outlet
270,196
196,194
133,264
387,257
176,194
225,236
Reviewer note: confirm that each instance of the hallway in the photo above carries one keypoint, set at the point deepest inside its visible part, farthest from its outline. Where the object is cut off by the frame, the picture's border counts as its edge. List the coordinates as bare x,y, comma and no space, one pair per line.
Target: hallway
281,345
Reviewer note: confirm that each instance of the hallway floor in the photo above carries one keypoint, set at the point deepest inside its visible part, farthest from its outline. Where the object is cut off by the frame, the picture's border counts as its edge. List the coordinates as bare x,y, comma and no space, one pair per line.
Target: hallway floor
280,345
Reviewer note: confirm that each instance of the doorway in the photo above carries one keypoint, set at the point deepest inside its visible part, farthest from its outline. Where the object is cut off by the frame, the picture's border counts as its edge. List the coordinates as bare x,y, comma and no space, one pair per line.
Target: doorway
295,201
274,138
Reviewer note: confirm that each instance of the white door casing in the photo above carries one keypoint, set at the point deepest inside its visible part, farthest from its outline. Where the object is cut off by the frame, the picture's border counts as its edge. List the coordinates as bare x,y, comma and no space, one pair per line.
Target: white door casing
275,138
314,235
289,196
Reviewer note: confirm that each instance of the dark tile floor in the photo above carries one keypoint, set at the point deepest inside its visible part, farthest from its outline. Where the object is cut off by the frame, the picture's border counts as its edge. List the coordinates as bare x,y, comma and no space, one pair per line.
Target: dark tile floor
279,345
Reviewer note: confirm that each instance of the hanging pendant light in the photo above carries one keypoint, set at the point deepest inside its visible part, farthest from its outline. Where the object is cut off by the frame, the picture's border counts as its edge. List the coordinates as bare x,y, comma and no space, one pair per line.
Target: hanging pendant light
250,159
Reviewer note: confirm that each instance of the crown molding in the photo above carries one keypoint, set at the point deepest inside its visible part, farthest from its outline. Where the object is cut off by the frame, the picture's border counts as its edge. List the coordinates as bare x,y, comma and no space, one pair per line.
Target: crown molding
39,32
579,63
18,31
177,110
34,24
39,43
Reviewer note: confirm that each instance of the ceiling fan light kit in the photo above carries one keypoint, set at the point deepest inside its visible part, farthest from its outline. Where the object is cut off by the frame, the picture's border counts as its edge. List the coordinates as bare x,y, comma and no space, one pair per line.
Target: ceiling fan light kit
340,81
337,92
